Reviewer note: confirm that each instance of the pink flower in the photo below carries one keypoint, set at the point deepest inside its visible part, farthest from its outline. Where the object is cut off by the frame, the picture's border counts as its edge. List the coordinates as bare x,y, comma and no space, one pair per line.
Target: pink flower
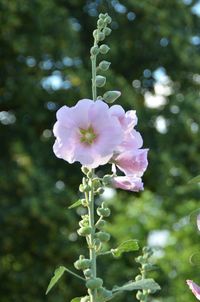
132,162
127,119
87,133
128,183
194,288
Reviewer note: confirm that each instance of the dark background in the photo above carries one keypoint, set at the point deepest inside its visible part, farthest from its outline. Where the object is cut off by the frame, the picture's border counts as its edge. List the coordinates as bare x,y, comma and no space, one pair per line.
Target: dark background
44,64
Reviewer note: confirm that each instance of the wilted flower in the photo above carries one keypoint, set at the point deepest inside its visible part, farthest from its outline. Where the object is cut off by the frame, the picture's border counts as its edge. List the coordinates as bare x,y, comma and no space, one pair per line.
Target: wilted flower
194,288
87,133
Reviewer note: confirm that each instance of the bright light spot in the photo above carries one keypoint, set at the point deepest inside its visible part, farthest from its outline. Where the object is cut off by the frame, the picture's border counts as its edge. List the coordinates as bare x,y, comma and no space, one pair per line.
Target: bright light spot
161,76
154,101
162,89
7,117
108,193
196,9
195,40
161,124
47,133
158,238
73,237
131,16
196,78
119,7
164,42
174,109
136,84
194,127
30,61
60,185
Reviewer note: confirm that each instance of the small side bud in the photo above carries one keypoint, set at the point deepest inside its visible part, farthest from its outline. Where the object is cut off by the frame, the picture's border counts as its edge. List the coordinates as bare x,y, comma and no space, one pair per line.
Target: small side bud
107,179
108,19
84,170
94,283
95,33
87,273
100,224
85,299
104,49
104,65
107,31
84,231
101,36
100,23
138,277
100,191
103,236
94,50
104,212
111,96
100,81
139,295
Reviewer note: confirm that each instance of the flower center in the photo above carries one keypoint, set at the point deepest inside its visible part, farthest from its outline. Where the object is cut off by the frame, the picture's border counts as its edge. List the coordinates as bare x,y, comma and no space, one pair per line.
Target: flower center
87,135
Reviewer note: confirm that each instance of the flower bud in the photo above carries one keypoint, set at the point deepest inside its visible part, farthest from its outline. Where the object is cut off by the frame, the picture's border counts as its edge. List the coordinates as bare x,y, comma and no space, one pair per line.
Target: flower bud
94,283
101,36
94,50
104,293
100,22
139,295
104,65
95,33
82,264
100,190
84,170
107,31
103,236
140,259
90,174
101,16
84,231
100,81
104,48
105,212
111,96
138,277
100,224
87,272
108,19
107,179
83,202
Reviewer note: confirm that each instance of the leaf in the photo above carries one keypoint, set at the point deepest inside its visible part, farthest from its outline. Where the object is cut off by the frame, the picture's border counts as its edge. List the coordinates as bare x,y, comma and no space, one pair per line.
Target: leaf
75,204
77,299
141,284
126,246
57,275
195,180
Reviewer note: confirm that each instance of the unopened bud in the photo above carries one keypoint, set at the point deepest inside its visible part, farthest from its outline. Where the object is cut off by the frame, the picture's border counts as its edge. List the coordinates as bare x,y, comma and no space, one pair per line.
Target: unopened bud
84,231
100,224
108,20
95,33
111,96
104,48
104,65
107,179
100,22
103,236
139,295
138,277
94,50
100,190
107,31
94,283
84,170
100,81
101,36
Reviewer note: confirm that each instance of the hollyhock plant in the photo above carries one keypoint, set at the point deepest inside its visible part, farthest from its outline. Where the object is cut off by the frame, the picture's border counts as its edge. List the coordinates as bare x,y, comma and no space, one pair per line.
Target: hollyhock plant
94,134
194,288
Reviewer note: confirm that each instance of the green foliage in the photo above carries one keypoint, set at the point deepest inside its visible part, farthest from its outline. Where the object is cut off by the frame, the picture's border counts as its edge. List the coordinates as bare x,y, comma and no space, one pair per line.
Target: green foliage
57,275
42,40
135,285
126,246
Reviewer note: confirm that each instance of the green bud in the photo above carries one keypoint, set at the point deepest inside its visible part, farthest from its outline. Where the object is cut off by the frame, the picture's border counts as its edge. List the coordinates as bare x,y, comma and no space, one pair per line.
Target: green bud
99,97
94,50
82,264
90,174
137,278
104,49
83,202
107,179
84,170
103,236
108,20
97,242
100,190
100,23
96,184
140,259
94,283
84,231
81,188
105,212
107,31
95,33
139,295
111,96
147,266
100,224
100,81
87,273
101,16
100,36
104,65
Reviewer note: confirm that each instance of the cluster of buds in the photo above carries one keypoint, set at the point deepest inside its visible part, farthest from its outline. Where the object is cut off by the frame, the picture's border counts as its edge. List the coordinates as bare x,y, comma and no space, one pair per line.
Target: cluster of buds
146,266
99,35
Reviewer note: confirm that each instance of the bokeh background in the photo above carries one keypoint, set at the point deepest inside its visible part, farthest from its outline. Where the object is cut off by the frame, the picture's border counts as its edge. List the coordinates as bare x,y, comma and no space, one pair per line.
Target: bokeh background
44,64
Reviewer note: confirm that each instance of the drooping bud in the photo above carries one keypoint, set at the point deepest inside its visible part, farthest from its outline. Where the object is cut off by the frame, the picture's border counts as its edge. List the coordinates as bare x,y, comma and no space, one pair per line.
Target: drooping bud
111,96
104,65
84,170
82,263
100,81
108,19
107,31
104,48
100,23
100,224
94,50
104,212
88,273
84,231
103,236
94,283
101,36
100,190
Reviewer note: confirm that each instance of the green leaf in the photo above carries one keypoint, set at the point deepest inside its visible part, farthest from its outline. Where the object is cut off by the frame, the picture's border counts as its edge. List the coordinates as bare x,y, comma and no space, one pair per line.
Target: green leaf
75,204
141,284
195,180
57,275
126,246
77,299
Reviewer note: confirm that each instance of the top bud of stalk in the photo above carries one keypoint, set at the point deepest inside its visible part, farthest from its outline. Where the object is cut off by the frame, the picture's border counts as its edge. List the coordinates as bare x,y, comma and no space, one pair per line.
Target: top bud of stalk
111,96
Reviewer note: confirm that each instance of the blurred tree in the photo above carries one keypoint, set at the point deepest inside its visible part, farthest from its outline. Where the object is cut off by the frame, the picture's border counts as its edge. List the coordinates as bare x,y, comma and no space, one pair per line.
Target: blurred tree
44,64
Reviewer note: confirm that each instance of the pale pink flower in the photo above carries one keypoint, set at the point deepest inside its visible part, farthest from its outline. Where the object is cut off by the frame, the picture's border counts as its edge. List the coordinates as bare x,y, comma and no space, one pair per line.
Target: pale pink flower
128,183
194,288
133,162
87,133
128,119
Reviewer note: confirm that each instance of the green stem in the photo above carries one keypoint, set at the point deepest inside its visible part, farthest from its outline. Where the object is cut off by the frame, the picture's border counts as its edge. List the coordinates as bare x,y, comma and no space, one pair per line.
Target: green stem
90,200
94,73
74,274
